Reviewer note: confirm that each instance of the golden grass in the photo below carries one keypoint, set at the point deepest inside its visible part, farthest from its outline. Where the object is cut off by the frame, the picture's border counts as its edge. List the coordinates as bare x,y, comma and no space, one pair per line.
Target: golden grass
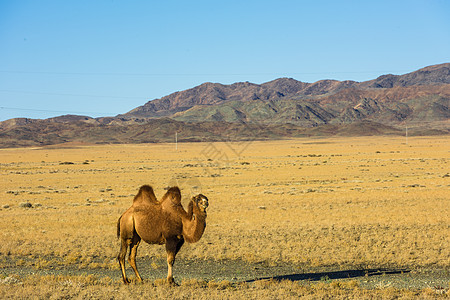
344,202
92,287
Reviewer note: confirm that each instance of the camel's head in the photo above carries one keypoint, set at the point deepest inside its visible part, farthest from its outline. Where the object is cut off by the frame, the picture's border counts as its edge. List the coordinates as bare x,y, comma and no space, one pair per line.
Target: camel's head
201,201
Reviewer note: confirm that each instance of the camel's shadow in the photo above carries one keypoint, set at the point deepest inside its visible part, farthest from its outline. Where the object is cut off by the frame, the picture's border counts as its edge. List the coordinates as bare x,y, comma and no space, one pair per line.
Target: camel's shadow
323,276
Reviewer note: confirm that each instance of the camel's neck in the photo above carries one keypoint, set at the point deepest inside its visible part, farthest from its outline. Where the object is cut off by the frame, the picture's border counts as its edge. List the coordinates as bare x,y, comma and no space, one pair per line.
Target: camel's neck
194,223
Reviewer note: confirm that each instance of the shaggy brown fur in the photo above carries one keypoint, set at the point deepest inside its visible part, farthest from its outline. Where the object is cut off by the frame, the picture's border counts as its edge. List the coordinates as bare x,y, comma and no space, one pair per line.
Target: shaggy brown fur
160,222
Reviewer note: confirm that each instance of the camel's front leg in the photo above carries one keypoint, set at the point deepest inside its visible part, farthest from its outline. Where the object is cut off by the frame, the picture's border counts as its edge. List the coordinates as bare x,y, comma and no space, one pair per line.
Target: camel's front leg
172,248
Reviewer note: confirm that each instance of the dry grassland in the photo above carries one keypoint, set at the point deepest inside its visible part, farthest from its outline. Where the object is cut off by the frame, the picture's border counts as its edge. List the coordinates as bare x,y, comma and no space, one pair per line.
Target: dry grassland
370,202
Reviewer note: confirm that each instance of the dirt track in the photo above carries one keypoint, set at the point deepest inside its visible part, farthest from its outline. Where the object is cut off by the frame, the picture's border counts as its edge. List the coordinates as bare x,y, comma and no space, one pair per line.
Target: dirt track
238,271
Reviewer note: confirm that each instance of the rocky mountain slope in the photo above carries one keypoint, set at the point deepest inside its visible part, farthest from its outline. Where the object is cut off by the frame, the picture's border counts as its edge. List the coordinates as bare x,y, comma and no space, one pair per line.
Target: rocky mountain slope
280,108
420,96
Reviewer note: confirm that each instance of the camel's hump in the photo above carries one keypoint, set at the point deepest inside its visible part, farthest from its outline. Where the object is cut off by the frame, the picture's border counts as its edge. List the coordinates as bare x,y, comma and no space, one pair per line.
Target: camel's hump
146,193
174,194
174,190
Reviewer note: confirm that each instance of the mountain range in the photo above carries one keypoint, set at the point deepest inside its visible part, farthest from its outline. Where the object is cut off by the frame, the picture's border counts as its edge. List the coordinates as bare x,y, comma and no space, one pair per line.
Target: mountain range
280,108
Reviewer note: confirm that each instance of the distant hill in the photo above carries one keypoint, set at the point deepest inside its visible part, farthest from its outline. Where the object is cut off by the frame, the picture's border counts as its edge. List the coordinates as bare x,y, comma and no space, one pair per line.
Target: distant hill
280,108
45,132
287,100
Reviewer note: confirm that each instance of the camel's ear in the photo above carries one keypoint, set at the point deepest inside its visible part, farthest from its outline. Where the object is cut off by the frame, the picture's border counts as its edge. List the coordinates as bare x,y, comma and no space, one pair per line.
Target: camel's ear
196,199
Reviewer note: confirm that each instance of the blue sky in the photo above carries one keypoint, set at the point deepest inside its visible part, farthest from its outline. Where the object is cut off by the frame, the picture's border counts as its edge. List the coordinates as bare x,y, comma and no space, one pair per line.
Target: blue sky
102,58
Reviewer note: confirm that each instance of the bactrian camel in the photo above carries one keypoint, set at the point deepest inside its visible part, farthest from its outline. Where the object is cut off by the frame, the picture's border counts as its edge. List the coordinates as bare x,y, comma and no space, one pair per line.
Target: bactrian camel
160,222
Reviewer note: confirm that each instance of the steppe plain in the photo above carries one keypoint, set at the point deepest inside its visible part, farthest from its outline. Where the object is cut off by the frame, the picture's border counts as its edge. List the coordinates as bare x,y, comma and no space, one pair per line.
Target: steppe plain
342,217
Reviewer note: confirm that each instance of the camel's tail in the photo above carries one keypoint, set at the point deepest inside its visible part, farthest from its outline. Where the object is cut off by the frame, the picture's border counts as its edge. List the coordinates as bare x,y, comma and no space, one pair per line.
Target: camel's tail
118,227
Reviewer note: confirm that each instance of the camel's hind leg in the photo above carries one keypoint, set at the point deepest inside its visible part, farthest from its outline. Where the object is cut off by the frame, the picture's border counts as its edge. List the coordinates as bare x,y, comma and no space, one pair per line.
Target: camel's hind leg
121,257
133,252
126,233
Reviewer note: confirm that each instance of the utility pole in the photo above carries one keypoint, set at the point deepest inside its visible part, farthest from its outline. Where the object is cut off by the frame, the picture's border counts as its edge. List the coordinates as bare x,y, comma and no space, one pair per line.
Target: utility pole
176,140
406,134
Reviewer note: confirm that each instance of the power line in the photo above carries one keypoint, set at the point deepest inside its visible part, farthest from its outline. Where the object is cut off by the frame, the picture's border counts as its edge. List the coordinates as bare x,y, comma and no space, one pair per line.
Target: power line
55,111
154,74
72,95
197,74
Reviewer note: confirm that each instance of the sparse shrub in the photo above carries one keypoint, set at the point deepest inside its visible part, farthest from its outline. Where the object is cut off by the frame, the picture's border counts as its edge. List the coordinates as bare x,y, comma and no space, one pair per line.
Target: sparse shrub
25,205
264,283
351,284
154,265
336,284
72,258
94,265
221,285
42,263
158,282
194,283
90,279
20,262
344,284
12,279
